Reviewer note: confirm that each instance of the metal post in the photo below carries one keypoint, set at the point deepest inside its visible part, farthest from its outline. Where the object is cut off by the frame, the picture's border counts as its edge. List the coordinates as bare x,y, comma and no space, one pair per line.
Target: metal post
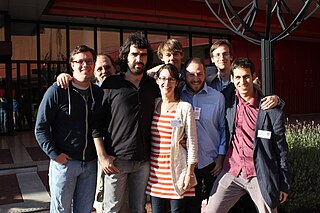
267,66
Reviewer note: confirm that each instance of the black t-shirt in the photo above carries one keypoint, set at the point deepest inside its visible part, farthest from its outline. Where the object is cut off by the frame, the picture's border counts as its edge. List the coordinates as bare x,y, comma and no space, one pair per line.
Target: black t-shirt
126,115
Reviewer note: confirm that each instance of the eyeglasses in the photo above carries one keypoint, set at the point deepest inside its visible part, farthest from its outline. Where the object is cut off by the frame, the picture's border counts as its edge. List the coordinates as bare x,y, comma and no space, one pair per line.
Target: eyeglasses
169,79
88,62
224,55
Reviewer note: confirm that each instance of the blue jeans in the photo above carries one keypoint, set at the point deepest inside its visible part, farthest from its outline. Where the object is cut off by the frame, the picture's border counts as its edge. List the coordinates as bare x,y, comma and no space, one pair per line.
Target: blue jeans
158,205
72,184
134,176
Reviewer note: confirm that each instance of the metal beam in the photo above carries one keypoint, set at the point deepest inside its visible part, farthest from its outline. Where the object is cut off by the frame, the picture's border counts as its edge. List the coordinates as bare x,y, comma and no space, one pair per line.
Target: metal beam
245,28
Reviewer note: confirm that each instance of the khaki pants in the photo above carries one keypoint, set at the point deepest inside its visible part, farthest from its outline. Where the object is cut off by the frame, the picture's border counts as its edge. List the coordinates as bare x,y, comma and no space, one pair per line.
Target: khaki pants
227,190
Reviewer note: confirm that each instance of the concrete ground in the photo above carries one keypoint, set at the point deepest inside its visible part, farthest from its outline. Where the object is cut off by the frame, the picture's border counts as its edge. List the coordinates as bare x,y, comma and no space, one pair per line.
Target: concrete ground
24,168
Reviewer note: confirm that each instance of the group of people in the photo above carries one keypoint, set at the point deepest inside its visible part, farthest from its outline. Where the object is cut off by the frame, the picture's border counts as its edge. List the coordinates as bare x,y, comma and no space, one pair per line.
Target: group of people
164,132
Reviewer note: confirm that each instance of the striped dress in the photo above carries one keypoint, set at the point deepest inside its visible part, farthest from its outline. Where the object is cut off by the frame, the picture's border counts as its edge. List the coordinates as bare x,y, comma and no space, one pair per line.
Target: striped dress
160,179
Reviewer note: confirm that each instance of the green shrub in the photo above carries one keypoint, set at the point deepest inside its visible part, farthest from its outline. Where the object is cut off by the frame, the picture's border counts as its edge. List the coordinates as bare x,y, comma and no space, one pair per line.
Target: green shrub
304,162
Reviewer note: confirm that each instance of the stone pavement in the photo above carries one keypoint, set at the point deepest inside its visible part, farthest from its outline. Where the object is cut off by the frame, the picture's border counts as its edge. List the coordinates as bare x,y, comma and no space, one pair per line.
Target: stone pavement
24,175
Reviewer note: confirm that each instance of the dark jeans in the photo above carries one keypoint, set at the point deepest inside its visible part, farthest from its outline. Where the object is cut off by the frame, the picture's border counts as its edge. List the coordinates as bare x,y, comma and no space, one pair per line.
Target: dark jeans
203,188
158,205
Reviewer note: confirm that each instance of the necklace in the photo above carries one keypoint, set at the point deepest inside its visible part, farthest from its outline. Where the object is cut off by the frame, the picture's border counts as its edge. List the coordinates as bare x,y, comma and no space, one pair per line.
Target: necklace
170,107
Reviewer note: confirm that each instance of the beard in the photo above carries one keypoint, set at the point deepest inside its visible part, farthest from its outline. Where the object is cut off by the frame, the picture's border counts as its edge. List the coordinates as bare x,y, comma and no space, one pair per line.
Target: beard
137,70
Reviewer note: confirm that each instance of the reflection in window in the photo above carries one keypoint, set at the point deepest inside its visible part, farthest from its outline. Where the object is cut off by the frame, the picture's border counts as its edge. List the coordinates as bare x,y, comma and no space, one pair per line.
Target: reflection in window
155,39
127,32
80,36
53,43
184,40
108,42
3,100
200,47
24,47
1,32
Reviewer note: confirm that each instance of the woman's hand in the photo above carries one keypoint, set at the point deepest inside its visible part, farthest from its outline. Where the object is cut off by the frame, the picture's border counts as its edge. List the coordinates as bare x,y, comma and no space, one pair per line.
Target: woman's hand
189,181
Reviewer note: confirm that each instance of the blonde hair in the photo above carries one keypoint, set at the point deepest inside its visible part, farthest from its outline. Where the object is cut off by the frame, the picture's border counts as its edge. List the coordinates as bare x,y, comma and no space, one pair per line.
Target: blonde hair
171,45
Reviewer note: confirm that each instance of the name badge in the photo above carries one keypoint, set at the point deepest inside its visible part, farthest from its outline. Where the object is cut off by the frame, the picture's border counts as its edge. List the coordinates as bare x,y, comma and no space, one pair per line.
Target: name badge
176,123
264,134
197,112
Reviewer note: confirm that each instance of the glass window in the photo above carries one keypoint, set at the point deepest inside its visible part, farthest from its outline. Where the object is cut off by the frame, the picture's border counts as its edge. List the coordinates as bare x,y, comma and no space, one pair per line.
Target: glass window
127,32
200,47
184,40
3,100
53,43
24,41
108,42
80,36
1,31
155,39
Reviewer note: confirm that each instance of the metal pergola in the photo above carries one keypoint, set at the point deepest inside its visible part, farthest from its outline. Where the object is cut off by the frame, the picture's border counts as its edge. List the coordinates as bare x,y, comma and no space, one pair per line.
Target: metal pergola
288,14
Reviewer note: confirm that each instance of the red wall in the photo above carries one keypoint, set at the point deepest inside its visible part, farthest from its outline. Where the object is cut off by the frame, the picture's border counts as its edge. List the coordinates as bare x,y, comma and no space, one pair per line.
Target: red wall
296,72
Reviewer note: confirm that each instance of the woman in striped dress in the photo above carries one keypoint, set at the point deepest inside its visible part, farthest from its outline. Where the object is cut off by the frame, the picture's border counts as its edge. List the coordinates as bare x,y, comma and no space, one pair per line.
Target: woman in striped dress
172,165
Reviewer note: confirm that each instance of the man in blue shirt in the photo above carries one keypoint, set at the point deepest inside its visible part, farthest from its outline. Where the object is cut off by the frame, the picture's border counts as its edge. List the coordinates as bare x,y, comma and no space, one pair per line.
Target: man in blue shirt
209,106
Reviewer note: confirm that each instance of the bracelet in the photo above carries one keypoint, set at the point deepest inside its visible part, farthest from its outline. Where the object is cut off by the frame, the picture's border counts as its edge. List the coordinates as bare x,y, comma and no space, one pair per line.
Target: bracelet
191,175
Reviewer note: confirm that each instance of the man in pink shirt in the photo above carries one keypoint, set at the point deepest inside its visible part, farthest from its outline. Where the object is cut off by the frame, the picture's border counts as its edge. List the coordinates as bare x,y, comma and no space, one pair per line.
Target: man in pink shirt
256,160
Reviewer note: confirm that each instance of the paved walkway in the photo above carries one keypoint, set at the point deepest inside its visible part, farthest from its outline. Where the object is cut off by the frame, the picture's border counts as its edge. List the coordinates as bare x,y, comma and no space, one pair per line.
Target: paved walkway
23,174
24,168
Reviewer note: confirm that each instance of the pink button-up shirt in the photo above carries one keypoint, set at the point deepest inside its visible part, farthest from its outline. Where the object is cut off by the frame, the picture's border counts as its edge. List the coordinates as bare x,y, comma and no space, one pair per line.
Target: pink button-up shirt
239,157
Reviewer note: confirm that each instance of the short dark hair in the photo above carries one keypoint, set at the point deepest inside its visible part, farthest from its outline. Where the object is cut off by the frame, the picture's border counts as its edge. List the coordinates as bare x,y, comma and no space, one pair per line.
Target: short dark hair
82,49
242,63
196,60
219,43
138,40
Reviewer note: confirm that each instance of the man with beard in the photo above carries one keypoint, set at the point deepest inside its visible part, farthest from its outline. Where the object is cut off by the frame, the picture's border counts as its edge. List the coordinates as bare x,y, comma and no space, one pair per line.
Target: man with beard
209,107
124,120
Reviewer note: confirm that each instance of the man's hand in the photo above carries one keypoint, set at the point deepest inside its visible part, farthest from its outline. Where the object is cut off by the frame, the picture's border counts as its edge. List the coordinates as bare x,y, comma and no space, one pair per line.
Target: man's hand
151,72
63,80
269,102
107,165
283,197
217,169
62,158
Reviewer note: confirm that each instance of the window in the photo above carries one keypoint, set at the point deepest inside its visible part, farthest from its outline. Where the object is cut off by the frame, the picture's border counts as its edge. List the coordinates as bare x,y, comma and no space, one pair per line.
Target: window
184,40
53,43
155,39
108,42
81,36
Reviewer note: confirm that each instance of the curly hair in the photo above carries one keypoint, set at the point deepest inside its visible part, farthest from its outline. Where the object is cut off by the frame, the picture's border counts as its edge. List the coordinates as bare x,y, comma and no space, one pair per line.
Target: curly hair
138,40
